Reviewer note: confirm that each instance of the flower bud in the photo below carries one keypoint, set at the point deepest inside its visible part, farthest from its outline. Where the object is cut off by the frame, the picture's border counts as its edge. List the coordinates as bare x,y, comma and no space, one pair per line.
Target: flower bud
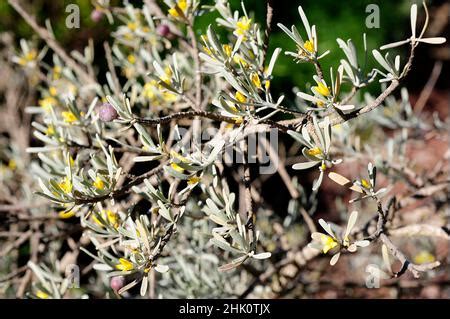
117,282
96,15
107,113
163,30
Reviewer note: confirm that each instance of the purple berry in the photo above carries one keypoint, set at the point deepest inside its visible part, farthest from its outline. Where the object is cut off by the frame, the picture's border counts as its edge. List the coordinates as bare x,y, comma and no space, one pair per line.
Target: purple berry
163,30
107,113
96,15
117,282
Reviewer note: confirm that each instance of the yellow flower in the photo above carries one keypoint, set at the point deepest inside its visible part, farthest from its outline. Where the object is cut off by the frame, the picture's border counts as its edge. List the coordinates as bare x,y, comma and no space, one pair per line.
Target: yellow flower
47,103
239,60
193,180
267,85
328,243
69,117
56,72
98,183
309,46
12,165
97,221
176,167
66,214
179,9
50,130
149,88
255,80
208,51
238,120
424,257
365,183
131,58
66,185
124,265
320,103
178,157
322,89
314,151
31,55
132,26
42,295
71,161
168,75
111,217
228,50
53,91
243,25
169,97
28,57
323,167
240,97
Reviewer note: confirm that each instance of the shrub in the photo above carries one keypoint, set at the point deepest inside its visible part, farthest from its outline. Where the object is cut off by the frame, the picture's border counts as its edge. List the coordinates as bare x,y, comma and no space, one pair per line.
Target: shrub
140,163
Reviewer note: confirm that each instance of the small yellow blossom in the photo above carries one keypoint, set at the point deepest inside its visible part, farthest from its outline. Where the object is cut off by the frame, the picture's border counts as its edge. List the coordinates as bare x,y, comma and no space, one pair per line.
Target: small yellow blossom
365,183
97,221
177,167
179,9
314,151
309,46
111,217
98,183
28,57
193,180
323,167
424,257
149,89
238,120
66,214
12,165
168,75
239,60
50,130
69,117
267,85
132,26
243,25
240,97
53,91
178,157
320,103
227,49
131,58
56,72
322,89
42,295
47,103
328,243
255,80
124,265
207,51
66,185
71,161
31,55
169,97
